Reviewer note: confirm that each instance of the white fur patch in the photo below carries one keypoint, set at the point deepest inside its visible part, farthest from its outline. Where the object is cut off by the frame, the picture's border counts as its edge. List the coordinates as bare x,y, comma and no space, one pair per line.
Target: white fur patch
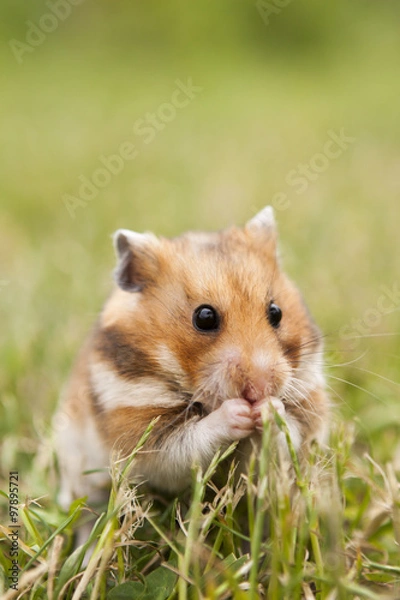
262,360
120,304
81,449
310,371
113,391
168,361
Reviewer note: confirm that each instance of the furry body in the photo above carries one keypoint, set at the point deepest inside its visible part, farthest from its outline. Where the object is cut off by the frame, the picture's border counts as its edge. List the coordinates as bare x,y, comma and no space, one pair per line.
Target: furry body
146,358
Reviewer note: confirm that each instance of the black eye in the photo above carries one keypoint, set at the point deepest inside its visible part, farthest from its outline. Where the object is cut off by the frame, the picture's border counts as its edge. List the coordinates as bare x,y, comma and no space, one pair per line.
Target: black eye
274,314
206,318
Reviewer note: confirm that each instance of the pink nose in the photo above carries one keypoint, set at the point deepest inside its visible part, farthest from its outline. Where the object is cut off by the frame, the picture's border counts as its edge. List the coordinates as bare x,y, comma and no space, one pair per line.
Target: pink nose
254,390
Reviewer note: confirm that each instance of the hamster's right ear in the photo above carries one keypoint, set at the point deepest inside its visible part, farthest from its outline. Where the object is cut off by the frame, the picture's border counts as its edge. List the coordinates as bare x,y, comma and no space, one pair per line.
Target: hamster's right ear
137,259
262,228
263,222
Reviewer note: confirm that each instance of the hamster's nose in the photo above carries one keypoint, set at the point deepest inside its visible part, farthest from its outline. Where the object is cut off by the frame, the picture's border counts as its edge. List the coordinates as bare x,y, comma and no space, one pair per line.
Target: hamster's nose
255,390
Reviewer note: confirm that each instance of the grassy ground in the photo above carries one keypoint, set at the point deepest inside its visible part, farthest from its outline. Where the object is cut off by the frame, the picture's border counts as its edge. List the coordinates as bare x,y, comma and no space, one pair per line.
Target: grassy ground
236,145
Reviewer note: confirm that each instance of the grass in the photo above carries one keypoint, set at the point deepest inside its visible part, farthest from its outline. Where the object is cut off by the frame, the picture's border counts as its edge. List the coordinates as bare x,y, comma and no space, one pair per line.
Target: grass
335,531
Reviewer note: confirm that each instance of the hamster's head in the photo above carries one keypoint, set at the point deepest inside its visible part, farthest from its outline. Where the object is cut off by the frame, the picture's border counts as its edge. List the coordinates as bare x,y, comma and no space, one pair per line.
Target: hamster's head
213,316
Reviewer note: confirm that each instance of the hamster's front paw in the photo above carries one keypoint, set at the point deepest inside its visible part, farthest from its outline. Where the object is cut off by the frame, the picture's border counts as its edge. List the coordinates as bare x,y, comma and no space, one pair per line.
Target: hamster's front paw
236,418
264,409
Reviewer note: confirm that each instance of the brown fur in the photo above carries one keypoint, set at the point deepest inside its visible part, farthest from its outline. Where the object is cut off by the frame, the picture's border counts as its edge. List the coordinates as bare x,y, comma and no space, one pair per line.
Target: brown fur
131,423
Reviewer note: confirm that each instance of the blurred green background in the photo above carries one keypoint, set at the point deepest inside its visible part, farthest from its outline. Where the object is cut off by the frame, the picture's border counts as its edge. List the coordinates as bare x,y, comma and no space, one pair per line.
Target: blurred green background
80,78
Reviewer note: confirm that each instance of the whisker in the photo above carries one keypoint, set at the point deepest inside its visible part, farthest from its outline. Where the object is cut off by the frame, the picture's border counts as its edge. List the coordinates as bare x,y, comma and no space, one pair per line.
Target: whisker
350,362
359,388
336,393
378,375
300,383
309,342
290,389
342,400
371,335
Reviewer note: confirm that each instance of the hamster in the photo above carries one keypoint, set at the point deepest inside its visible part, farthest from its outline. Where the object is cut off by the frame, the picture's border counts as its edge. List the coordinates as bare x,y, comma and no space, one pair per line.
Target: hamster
203,331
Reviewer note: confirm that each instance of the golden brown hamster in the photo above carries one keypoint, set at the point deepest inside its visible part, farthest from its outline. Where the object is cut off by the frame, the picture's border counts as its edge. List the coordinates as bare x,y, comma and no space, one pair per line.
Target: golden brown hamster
203,331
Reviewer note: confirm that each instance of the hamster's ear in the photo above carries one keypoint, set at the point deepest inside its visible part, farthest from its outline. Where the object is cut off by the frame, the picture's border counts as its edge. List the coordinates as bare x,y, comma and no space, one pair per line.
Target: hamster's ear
263,222
137,259
262,229
263,226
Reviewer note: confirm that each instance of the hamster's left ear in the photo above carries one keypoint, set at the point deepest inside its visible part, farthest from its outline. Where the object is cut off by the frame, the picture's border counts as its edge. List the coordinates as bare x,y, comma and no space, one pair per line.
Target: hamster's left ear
137,259
263,227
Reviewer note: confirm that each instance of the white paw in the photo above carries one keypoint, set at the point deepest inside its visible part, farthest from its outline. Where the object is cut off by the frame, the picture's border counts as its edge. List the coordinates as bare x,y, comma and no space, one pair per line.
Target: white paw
236,418
264,410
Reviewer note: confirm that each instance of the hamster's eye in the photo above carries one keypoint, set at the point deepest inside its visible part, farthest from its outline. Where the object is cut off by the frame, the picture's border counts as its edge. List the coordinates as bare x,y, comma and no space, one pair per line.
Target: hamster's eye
206,318
274,314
